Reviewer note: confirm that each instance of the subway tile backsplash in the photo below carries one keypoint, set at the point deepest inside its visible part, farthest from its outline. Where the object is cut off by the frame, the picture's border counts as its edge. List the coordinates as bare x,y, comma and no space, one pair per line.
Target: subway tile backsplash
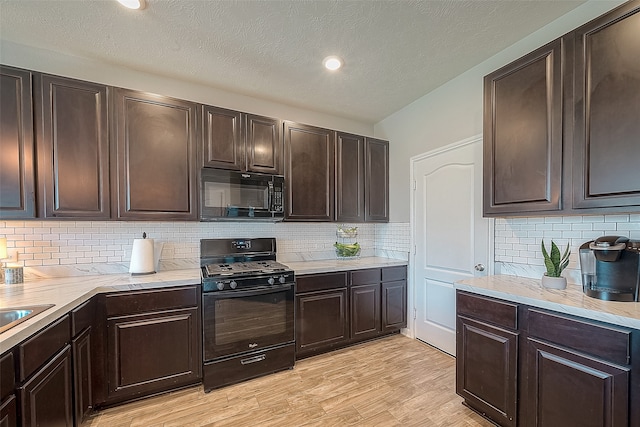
517,240
105,246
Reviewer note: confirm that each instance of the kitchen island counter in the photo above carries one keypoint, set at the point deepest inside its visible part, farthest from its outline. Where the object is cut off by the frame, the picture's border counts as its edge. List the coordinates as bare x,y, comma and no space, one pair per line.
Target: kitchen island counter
570,301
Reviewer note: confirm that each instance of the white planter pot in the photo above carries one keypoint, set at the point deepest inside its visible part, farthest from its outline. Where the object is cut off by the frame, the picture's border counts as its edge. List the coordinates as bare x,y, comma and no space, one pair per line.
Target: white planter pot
554,282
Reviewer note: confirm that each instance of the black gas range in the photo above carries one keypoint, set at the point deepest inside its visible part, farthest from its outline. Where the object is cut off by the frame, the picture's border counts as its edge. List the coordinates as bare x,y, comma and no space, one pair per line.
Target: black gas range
247,310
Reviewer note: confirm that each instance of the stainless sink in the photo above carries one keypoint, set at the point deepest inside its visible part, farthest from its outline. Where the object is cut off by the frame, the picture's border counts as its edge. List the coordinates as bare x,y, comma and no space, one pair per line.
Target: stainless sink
12,316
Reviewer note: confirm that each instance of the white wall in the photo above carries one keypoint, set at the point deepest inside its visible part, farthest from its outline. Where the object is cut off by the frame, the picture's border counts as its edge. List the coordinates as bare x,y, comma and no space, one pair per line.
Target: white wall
91,70
453,111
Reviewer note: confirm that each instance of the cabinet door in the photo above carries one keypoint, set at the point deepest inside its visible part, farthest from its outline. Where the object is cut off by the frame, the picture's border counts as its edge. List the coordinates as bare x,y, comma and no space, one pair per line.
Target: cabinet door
17,179
82,375
154,157
263,144
73,148
153,352
365,311
376,181
566,388
46,398
394,305
523,134
309,172
350,182
486,370
607,78
222,143
321,320
9,412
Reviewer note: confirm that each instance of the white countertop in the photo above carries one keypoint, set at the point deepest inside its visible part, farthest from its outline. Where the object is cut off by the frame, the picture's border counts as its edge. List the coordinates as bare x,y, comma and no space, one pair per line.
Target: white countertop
328,265
69,292
66,293
570,301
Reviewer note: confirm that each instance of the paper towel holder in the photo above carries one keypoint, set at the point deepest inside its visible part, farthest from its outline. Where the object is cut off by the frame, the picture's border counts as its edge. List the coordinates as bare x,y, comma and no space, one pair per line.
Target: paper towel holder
142,257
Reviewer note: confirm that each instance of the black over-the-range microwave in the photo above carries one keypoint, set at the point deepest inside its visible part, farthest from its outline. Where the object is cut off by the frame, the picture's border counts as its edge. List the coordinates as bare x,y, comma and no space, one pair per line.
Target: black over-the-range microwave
233,196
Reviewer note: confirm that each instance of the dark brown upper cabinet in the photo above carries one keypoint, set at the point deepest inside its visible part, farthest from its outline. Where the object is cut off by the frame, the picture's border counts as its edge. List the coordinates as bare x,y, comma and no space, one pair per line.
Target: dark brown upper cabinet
606,147
17,175
239,141
154,157
73,148
523,134
376,173
350,180
222,145
309,172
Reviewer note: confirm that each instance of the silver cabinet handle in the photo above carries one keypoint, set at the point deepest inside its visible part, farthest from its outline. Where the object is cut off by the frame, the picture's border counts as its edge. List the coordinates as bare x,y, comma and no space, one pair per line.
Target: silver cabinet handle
479,267
254,359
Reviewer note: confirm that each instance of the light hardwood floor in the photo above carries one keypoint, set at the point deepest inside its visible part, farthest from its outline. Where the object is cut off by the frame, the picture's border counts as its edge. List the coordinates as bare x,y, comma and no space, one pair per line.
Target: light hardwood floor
394,381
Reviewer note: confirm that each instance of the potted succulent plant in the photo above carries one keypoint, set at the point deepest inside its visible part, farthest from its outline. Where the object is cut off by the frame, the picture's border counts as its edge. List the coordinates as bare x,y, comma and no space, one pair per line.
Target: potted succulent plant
555,263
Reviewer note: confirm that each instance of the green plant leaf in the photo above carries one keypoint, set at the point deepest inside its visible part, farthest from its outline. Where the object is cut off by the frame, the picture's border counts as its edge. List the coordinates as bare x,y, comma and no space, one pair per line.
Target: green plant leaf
555,255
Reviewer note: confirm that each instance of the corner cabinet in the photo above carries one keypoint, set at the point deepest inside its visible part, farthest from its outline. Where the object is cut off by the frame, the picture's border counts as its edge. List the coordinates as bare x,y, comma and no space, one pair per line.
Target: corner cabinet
376,172
17,154
523,134
309,172
73,148
154,157
606,146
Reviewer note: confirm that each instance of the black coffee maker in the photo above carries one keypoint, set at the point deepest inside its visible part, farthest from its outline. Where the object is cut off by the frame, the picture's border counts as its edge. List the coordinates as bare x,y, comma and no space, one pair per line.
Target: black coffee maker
610,267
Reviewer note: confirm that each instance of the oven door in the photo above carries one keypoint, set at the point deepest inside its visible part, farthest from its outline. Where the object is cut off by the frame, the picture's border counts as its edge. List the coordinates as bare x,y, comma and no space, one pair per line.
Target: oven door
246,320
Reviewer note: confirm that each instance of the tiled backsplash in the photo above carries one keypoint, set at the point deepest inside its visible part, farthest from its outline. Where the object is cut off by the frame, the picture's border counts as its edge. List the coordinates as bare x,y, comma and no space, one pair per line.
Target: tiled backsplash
101,245
517,240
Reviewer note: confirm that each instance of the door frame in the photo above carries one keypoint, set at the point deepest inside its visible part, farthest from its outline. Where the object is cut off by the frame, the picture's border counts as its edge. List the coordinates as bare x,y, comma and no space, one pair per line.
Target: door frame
411,291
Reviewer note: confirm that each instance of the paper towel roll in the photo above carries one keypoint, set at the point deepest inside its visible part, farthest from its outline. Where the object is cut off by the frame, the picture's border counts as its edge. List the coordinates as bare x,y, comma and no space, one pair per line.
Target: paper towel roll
142,259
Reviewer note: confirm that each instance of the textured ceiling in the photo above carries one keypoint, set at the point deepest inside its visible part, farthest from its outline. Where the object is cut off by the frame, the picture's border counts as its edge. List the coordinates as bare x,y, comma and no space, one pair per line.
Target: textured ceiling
395,51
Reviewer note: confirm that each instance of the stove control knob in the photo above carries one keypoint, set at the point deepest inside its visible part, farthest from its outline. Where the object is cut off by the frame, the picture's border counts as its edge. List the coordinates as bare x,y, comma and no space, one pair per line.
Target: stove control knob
220,285
233,284
271,280
282,279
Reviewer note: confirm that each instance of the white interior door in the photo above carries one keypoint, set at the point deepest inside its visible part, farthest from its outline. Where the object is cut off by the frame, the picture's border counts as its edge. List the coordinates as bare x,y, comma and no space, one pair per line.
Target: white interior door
450,236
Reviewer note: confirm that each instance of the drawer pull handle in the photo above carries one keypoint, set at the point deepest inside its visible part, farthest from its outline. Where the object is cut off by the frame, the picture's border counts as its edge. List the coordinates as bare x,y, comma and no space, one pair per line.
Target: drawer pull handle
254,359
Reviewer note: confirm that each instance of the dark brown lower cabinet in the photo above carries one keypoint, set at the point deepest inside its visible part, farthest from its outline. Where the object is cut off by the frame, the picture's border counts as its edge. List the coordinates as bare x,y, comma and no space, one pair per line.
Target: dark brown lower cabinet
547,368
323,320
9,412
334,310
365,311
46,399
153,352
82,375
486,369
394,305
568,388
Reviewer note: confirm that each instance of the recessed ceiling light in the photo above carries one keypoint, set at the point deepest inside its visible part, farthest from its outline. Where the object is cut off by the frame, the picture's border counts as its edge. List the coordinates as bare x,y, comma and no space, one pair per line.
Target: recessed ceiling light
332,63
133,4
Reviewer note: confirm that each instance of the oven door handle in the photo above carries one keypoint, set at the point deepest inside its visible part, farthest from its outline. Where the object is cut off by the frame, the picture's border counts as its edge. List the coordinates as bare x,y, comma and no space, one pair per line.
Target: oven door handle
251,292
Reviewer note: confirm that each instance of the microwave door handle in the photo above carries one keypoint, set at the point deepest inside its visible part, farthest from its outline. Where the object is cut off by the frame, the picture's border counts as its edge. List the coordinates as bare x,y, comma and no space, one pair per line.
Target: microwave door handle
271,197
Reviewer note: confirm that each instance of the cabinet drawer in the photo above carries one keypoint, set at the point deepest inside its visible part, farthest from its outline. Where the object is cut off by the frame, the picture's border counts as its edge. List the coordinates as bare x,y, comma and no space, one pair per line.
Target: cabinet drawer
7,375
319,282
608,342
498,312
365,277
82,317
152,300
391,274
36,350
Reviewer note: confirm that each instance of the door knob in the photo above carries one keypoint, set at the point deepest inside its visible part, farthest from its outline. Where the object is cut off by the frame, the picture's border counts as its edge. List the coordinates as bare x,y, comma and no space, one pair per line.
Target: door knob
479,267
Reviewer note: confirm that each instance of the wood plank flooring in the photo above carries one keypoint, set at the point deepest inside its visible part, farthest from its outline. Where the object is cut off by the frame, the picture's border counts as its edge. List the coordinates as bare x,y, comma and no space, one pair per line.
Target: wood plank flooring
394,381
